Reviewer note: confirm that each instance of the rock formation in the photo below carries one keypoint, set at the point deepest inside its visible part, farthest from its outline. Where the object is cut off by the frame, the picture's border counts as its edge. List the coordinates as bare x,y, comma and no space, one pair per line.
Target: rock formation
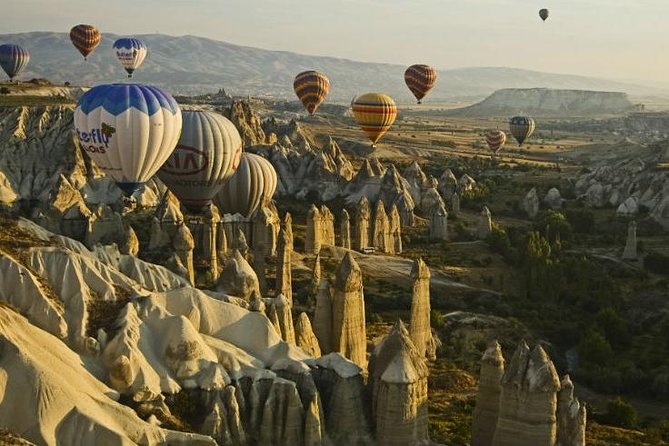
323,317
531,203
630,251
312,244
316,272
283,309
455,204
105,226
362,217
398,375
485,224
488,397
571,416
348,313
288,227
265,226
438,224
553,199
238,278
628,208
240,244
420,329
305,337
395,230
183,246
327,226
528,402
381,229
345,230
448,184
284,276
130,243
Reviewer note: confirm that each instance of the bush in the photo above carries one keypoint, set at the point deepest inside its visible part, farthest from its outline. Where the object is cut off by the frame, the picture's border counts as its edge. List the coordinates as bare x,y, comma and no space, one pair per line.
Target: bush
657,263
4,90
437,319
595,349
582,220
499,242
554,226
621,413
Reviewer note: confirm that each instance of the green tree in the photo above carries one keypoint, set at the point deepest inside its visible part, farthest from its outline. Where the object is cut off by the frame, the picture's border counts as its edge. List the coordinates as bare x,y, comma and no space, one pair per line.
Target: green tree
621,413
554,226
595,349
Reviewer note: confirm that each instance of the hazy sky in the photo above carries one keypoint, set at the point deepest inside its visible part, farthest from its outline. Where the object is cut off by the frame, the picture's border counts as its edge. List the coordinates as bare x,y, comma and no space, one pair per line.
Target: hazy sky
616,39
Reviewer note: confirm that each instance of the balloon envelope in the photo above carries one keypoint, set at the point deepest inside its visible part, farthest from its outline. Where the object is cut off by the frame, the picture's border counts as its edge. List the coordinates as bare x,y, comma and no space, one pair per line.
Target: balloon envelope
374,113
420,79
13,59
495,140
521,128
311,87
85,38
251,186
543,13
130,53
207,154
128,130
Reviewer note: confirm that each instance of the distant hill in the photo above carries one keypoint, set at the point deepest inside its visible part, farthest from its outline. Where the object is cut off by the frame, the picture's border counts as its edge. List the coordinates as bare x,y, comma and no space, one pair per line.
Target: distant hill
195,65
548,102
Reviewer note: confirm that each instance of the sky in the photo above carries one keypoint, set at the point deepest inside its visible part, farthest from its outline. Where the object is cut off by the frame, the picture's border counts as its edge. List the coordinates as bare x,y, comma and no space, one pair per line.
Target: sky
613,39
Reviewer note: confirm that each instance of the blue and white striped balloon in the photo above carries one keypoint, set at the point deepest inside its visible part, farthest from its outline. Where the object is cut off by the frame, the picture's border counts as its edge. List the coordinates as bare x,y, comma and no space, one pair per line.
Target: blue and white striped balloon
128,130
130,53
13,59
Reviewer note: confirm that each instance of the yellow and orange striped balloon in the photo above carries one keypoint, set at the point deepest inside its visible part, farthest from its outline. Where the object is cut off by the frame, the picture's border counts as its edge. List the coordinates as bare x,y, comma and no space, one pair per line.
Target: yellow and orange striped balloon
311,87
374,113
420,79
495,140
85,38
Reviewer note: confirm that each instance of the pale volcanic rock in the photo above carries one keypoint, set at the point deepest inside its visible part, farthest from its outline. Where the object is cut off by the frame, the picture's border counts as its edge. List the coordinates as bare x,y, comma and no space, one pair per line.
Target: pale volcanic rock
316,272
420,330
438,224
417,182
327,226
256,303
130,243
381,229
266,225
531,203
288,227
238,278
571,416
487,399
345,230
594,196
348,312
431,200
528,400
168,212
312,244
362,223
184,244
395,230
221,242
323,317
661,212
284,281
283,308
260,268
553,199
629,207
394,190
247,122
158,239
102,190
223,423
240,244
466,183
378,168
484,224
105,226
398,373
282,416
448,184
455,204
630,251
305,337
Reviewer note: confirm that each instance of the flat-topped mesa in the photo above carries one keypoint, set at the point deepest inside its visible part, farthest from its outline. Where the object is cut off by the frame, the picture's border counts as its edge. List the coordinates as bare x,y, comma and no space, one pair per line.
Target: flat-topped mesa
487,400
327,226
419,328
528,403
312,244
571,416
284,277
398,374
183,244
362,217
345,230
438,225
395,230
484,224
349,335
630,251
381,229
305,337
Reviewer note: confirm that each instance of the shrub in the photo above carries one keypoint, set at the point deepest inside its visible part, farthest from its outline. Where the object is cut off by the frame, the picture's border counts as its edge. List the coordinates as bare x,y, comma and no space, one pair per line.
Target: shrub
437,319
657,263
4,90
582,220
595,349
554,226
621,413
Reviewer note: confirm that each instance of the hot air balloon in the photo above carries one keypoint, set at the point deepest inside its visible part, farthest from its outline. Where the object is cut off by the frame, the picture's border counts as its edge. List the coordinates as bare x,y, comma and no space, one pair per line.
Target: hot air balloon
311,87
374,113
85,38
495,140
543,13
251,186
207,154
129,130
13,59
420,79
130,53
521,128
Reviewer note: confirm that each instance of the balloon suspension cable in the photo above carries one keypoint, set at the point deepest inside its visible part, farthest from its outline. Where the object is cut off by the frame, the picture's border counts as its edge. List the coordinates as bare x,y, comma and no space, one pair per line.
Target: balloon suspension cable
130,76
420,102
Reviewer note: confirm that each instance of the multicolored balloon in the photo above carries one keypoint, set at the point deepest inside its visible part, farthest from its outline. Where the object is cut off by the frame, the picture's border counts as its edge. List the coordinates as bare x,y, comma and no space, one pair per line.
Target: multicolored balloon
311,87
495,140
13,59
375,114
85,38
543,13
128,130
130,53
521,128
251,186
207,154
420,79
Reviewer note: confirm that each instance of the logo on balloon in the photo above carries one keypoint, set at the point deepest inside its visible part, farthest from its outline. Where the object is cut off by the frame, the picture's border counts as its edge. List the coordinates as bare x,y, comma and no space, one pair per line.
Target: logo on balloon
185,161
97,140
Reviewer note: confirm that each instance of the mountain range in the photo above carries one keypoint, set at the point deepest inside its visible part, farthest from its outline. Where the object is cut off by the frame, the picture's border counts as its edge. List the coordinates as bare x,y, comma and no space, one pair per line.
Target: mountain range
196,65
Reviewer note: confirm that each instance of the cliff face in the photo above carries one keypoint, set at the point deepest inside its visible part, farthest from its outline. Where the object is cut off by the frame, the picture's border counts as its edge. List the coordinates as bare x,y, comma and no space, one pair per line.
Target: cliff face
549,102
